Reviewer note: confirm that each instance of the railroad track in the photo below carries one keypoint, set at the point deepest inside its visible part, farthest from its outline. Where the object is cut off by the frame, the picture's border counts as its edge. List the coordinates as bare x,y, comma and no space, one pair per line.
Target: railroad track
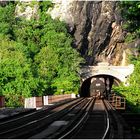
8,128
118,128
31,124
101,122
81,118
63,124
13,113
95,126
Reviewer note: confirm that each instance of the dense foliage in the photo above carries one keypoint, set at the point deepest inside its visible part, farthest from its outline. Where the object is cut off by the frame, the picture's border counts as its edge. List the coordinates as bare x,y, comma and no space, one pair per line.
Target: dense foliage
132,91
131,14
36,56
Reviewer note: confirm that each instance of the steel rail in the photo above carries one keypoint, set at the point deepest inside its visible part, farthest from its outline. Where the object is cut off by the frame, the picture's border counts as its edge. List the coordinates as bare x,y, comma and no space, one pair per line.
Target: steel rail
115,121
89,118
35,113
81,121
79,111
107,121
31,117
35,123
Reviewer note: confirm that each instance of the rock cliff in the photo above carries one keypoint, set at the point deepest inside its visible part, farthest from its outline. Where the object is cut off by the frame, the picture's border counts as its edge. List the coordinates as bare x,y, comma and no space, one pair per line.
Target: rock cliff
97,29
95,25
27,10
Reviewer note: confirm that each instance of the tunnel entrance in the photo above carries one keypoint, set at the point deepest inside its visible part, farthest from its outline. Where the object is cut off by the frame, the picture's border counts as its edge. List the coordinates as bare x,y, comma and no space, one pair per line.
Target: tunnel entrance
98,84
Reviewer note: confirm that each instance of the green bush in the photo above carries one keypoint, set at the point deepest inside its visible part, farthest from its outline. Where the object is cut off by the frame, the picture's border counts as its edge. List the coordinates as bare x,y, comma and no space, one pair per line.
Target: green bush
132,92
36,56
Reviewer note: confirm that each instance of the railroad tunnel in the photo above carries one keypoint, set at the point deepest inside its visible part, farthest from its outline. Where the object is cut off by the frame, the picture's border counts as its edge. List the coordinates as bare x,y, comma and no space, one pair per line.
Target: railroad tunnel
98,83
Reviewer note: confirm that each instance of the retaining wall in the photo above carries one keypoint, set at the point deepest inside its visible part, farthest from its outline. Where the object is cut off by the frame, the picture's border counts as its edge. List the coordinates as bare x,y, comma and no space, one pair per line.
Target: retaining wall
34,102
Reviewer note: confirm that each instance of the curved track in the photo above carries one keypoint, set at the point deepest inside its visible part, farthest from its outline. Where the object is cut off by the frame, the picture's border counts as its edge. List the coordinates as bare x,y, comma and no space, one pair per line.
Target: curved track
10,128
95,126
31,124
101,122
83,118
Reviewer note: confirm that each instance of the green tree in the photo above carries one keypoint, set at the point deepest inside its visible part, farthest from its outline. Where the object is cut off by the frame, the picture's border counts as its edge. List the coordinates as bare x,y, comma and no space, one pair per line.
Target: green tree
16,79
28,33
36,56
65,63
7,19
46,62
131,13
132,92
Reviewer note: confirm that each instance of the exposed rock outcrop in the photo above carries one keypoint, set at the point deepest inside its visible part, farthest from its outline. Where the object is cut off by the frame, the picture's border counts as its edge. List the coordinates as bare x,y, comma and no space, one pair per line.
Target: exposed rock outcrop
96,27
27,10
134,46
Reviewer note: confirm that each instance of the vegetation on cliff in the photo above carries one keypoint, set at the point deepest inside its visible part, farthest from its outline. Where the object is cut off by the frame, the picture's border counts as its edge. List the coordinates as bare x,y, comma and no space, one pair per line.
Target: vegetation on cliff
131,14
132,91
36,57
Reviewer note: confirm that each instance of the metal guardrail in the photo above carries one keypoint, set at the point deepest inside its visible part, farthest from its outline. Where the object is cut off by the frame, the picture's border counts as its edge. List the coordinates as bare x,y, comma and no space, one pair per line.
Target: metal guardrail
117,102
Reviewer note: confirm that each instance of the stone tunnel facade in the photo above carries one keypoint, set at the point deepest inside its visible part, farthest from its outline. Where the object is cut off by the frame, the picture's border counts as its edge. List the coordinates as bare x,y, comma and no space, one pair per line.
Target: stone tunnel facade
103,72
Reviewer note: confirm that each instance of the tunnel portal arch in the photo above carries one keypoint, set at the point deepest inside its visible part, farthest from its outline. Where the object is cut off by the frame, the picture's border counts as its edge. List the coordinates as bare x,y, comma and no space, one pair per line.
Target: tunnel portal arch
100,82
116,75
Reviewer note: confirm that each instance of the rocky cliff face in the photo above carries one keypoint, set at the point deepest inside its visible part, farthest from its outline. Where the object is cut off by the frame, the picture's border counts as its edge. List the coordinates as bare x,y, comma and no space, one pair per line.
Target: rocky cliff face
96,27
27,10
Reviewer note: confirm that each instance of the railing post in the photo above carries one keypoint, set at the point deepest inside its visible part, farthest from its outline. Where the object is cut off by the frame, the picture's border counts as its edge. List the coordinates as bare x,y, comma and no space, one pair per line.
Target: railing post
45,100
73,95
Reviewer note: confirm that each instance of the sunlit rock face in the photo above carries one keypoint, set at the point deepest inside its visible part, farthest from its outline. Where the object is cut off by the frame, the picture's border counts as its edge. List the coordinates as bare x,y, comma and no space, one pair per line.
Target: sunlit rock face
96,27
63,10
27,10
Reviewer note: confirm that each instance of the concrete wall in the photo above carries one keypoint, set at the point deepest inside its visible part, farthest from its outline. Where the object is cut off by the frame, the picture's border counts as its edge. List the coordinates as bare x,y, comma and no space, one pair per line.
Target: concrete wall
119,72
35,102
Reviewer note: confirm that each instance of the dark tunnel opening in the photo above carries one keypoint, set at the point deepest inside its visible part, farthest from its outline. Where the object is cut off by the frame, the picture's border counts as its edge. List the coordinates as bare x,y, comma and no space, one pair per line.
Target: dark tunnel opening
98,84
